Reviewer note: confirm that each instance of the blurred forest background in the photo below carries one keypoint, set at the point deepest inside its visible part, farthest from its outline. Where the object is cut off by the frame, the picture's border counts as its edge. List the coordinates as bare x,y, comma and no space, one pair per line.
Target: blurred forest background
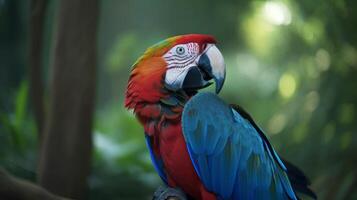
64,67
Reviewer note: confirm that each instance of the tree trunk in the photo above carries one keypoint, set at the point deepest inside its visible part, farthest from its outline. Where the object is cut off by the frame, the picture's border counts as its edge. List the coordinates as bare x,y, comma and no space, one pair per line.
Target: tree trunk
66,151
38,11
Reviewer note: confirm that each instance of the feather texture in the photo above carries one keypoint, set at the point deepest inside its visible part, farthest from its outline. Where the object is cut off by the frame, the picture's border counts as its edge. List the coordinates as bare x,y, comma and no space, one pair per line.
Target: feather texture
156,160
229,155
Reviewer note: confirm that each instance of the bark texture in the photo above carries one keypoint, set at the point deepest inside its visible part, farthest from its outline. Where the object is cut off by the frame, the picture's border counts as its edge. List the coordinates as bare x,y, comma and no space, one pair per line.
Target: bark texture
66,152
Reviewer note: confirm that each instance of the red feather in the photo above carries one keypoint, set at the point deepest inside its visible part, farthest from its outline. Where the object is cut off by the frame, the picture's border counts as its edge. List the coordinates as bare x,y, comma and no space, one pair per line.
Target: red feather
201,39
178,165
146,82
163,122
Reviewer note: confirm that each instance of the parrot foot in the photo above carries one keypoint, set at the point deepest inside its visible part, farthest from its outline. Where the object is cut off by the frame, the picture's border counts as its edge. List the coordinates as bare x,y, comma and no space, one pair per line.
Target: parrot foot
168,193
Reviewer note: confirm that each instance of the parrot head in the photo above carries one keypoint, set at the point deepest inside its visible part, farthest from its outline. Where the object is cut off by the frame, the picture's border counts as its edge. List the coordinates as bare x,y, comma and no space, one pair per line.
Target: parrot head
182,63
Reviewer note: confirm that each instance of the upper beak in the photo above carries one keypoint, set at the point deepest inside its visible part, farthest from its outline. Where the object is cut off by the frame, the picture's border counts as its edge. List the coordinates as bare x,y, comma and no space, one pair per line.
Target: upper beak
210,65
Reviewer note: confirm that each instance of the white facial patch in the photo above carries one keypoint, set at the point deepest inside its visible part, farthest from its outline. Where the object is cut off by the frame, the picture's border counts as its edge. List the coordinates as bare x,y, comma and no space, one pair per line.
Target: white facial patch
179,60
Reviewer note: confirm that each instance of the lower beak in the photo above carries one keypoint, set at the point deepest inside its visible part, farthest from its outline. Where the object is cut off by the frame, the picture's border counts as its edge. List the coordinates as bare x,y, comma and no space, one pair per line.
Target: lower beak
210,65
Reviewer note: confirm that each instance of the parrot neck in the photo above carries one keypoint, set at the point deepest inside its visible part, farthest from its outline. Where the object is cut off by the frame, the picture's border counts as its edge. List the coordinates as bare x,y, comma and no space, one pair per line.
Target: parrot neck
168,110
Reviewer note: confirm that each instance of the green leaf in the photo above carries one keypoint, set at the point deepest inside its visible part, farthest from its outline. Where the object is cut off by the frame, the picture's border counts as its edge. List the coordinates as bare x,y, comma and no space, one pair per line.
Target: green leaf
20,105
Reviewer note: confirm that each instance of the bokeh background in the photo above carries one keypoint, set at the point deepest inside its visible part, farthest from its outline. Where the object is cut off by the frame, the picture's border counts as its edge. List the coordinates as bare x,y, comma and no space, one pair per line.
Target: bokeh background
292,64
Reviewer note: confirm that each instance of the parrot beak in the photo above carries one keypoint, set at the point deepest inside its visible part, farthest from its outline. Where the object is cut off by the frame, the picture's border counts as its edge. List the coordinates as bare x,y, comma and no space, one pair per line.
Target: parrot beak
210,65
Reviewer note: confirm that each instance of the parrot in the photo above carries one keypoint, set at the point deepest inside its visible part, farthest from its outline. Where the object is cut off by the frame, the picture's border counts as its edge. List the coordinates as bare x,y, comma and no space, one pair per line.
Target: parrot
197,142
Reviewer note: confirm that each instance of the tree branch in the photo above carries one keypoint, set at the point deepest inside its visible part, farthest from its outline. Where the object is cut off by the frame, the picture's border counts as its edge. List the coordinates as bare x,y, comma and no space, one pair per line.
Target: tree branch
15,188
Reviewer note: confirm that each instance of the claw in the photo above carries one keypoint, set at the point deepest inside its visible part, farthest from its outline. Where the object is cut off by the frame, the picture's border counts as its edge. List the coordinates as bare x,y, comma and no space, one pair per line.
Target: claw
168,193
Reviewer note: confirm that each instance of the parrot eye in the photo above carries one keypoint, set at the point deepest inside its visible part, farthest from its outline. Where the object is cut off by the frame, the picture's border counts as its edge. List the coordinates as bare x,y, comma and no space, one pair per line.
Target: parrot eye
180,50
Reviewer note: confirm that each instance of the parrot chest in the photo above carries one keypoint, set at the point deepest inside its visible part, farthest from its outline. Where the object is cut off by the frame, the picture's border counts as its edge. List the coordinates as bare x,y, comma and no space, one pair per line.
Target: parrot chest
177,162
163,124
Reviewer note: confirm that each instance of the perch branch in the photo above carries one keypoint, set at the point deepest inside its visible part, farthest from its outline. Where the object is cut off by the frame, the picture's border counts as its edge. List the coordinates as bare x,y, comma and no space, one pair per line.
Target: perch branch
15,188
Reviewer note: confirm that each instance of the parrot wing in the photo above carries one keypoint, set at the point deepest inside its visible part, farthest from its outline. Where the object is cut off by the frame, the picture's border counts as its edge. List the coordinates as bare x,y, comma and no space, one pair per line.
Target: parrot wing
231,158
298,180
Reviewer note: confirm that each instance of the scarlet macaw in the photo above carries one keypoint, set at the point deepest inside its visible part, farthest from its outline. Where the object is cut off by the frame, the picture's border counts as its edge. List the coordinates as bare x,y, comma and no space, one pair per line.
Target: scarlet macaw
197,142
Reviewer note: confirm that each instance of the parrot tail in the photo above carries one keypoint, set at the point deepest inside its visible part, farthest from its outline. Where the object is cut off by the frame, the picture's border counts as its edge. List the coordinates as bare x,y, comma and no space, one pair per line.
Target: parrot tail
299,181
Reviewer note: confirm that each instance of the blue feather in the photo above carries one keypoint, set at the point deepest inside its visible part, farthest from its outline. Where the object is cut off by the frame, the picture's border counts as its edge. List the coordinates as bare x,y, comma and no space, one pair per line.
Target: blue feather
231,158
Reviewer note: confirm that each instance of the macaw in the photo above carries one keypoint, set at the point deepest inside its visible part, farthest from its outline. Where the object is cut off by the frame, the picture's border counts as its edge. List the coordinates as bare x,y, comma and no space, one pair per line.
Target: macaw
198,143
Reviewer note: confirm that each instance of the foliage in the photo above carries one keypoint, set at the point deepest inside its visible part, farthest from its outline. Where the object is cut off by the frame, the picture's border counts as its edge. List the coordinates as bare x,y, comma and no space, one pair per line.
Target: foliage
18,136
291,64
